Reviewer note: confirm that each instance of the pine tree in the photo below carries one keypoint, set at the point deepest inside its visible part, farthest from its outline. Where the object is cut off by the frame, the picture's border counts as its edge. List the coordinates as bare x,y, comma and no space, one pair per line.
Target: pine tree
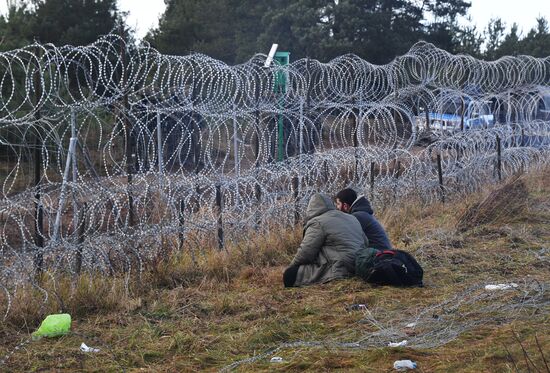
205,26
58,21
16,27
444,28
494,36
73,22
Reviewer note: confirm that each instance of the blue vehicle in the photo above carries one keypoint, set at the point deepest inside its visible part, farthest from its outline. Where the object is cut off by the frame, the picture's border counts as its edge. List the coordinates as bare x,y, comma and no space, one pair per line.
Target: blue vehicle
476,115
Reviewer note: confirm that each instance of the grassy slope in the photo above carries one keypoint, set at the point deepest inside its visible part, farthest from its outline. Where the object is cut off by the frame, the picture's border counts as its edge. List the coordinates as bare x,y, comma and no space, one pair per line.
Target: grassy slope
185,317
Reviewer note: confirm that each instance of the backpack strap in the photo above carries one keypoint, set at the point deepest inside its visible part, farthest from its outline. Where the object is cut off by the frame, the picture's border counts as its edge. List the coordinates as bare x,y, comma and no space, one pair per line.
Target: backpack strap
389,252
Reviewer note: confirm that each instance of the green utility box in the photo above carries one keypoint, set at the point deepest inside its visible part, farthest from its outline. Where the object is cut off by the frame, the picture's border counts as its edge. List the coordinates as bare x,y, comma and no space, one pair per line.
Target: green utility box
282,59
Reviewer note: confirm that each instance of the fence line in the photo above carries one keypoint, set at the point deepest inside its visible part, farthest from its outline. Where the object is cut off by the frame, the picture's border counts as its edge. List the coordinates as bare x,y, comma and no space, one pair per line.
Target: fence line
102,151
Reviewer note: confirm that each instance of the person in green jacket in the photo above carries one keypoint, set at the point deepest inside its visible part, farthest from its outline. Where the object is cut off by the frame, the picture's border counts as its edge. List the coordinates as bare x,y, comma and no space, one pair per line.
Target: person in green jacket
329,246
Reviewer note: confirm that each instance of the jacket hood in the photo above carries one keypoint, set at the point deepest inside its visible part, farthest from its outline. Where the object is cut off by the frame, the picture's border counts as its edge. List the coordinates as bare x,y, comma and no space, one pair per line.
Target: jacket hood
361,204
318,205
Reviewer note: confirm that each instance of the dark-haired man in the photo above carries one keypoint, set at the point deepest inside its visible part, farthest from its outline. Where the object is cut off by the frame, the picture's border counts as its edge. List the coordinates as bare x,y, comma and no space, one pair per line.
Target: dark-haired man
348,201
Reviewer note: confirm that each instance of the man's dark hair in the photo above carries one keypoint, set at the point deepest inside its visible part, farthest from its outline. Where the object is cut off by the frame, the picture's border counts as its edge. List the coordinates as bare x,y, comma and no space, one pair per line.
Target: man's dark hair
347,196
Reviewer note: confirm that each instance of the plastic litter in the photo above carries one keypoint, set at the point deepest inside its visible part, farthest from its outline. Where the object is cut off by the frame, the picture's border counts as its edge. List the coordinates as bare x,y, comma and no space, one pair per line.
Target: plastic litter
85,348
403,343
357,307
404,365
276,359
411,325
501,286
53,326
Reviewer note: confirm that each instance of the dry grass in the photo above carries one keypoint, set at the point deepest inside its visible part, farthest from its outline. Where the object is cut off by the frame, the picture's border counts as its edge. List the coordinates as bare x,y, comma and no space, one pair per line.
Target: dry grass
204,311
501,206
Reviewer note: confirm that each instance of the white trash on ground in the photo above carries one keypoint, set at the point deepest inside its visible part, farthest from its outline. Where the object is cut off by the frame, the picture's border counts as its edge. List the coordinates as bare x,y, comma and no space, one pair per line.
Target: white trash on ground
403,343
85,348
501,286
276,359
404,365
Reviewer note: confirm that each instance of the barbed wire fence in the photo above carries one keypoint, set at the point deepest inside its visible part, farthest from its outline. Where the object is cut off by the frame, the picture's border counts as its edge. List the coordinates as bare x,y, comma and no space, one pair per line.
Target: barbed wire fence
107,148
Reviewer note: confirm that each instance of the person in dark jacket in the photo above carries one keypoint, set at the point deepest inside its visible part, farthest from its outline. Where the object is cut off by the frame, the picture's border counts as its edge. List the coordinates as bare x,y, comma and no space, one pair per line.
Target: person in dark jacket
348,201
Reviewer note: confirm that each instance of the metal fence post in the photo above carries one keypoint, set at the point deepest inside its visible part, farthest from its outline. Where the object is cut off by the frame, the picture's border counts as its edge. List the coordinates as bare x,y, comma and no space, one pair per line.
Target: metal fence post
296,195
160,150
499,158
219,208
371,180
440,174
39,212
81,236
181,221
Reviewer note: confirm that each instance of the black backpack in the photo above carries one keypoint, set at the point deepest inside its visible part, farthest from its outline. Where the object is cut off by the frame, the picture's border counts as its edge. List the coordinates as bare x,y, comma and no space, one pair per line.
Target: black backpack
395,268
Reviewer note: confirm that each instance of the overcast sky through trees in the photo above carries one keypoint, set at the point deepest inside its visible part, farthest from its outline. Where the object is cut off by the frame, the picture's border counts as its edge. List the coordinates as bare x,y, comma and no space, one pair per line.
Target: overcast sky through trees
144,14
